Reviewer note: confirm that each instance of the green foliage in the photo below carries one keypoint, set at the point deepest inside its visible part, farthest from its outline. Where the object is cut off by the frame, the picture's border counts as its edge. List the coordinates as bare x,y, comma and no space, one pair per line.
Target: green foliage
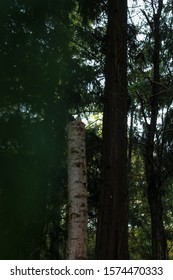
36,88
93,151
141,70
44,78
139,216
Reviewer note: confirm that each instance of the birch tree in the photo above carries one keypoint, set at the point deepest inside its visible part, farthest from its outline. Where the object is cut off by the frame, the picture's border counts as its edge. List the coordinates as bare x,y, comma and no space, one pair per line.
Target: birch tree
77,192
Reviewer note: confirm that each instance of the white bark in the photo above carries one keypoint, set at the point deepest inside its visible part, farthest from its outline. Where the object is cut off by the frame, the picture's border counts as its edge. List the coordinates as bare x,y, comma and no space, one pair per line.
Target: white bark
77,192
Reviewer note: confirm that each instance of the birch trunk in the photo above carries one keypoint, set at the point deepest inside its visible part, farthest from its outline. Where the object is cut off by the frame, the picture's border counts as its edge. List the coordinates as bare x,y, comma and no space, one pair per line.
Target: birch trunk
77,192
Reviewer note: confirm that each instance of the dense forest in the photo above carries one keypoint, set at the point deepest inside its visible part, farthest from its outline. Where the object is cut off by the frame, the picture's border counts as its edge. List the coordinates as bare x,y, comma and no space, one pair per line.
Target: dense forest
109,63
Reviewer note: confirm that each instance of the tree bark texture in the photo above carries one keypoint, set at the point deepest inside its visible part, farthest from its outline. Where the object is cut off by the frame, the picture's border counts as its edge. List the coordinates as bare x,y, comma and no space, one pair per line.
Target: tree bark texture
77,192
153,174
112,229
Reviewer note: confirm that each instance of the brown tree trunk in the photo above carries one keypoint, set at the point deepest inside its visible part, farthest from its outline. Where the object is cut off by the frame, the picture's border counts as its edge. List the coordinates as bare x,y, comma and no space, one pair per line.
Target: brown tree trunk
153,175
159,246
77,192
112,228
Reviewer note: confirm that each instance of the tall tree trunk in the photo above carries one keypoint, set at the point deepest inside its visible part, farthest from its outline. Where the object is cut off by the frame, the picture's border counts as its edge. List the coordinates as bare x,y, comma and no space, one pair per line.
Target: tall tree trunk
77,192
112,228
152,173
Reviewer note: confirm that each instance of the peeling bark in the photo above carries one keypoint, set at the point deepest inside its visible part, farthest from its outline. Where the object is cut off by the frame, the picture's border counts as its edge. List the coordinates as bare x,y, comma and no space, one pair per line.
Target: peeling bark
77,192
